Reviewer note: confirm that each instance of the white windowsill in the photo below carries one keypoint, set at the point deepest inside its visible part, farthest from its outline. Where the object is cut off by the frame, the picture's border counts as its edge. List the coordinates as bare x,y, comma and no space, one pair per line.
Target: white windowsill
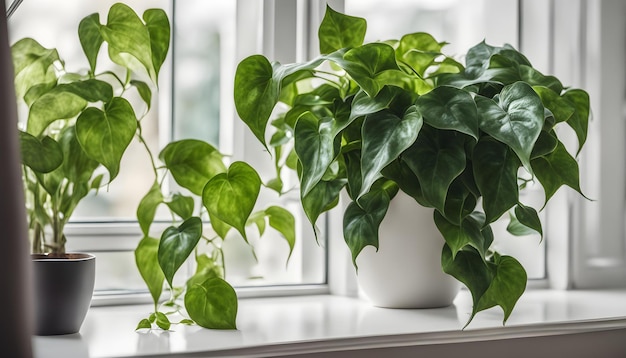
320,324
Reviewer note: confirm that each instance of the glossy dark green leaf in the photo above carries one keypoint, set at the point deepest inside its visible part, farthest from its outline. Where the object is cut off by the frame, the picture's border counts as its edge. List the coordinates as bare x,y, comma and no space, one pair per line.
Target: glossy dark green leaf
385,136
158,26
324,196
536,78
457,237
147,207
315,145
546,143
389,97
338,31
495,171
516,119
231,196
508,284
148,266
212,304
558,106
436,158
43,155
283,222
407,181
460,201
579,121
524,221
192,163
450,108
90,38
556,169
361,221
176,245
105,136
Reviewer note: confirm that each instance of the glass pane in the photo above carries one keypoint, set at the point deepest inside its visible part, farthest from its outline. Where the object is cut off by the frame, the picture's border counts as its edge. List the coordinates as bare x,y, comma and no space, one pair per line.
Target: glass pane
463,24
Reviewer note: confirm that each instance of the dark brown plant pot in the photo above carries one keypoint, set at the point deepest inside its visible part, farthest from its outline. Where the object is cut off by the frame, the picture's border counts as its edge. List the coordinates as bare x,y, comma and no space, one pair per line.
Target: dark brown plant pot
63,287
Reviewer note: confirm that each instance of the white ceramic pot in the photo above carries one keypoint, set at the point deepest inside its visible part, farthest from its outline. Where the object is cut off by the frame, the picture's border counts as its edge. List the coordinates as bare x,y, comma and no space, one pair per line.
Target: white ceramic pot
406,270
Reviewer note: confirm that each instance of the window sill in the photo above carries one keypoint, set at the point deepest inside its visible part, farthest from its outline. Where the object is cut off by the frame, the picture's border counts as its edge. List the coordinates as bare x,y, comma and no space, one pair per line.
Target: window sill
318,325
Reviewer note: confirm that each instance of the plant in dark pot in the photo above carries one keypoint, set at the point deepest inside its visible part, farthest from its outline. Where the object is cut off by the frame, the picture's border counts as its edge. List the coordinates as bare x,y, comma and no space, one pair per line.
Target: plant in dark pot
399,121
77,129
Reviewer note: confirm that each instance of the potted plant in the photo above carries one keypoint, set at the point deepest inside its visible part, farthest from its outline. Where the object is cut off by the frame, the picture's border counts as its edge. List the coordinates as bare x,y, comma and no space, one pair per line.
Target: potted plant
78,126
400,116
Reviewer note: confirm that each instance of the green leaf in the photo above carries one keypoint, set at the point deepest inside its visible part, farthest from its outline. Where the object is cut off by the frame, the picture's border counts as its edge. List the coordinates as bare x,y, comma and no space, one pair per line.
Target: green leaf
282,221
91,90
315,145
158,26
418,50
128,39
323,196
338,31
144,91
495,171
176,245
33,65
545,144
558,106
450,108
389,97
105,136
90,38
256,93
258,219
52,106
508,284
368,66
147,207
536,78
469,233
143,324
192,163
221,228
556,169
524,221
579,121
162,321
436,158
516,120
362,220
212,304
181,205
43,155
385,136
231,196
407,181
148,265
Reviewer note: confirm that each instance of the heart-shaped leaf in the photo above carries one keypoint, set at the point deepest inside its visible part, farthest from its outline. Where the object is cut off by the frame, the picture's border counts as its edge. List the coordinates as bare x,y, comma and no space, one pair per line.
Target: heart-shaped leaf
52,106
362,220
105,136
90,38
495,171
324,196
516,120
436,158
468,233
524,221
33,65
212,304
579,121
158,26
368,66
231,196
385,136
192,163
447,107
177,243
315,145
282,221
339,31
418,50
43,155
181,205
556,169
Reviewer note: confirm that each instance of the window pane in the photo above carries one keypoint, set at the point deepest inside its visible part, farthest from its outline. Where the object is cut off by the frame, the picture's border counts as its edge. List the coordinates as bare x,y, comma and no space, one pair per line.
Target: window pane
461,23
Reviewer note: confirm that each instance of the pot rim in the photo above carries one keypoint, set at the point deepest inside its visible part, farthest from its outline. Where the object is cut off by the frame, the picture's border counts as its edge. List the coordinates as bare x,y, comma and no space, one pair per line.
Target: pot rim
68,256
